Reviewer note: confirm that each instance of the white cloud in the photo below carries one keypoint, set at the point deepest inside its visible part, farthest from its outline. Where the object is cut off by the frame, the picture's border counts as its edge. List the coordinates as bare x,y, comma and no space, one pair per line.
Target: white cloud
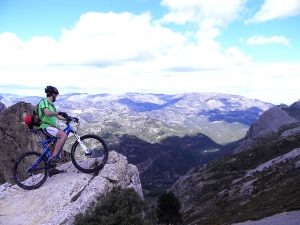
216,12
275,82
98,39
276,9
125,38
261,40
101,38
36,51
208,19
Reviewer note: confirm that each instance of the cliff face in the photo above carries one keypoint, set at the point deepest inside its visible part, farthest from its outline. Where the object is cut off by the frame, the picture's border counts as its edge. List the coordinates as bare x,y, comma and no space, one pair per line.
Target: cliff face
65,195
261,180
15,137
271,121
2,107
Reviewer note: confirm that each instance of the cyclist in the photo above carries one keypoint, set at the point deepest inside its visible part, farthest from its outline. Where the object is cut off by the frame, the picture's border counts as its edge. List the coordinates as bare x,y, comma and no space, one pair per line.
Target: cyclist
49,115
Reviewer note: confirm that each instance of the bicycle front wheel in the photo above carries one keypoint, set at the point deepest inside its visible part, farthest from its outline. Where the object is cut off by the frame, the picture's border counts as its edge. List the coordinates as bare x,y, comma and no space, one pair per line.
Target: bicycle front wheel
29,172
97,155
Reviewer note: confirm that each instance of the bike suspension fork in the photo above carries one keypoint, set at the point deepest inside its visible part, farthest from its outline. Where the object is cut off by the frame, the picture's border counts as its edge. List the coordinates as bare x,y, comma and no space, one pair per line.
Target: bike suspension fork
81,143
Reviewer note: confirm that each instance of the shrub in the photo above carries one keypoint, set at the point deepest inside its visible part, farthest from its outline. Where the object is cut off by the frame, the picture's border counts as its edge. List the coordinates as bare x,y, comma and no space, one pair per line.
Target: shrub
168,209
118,207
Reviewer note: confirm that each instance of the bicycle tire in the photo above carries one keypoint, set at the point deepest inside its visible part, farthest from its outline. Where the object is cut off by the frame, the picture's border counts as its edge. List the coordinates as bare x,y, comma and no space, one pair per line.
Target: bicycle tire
15,171
75,148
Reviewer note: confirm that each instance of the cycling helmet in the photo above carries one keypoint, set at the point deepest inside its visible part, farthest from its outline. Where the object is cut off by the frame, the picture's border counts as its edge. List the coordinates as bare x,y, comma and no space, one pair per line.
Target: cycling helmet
51,90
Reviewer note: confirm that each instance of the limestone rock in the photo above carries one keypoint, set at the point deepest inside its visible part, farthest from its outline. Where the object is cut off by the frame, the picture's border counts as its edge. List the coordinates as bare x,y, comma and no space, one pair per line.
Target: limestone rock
270,122
15,138
2,107
63,196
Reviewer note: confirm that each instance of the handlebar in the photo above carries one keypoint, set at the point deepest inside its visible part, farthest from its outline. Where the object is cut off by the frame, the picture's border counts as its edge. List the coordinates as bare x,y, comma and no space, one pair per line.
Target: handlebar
72,119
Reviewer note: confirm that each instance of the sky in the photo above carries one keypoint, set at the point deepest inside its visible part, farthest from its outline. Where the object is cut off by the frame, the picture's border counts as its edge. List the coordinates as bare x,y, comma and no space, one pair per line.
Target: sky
242,47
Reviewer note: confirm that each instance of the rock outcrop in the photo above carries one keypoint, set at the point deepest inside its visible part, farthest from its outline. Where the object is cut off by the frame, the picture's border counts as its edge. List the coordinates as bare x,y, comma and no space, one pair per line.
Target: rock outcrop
63,196
15,138
270,122
2,107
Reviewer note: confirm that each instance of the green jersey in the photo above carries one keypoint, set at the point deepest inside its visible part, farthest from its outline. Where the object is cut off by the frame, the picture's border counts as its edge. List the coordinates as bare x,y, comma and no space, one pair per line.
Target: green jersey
46,120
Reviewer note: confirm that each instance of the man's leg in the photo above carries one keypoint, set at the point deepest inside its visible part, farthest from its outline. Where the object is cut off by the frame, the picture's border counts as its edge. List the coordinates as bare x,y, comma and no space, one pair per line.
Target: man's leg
61,139
60,135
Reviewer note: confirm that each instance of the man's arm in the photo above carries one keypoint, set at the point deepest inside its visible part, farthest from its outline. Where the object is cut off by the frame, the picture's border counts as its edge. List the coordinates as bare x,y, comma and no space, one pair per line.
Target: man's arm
48,113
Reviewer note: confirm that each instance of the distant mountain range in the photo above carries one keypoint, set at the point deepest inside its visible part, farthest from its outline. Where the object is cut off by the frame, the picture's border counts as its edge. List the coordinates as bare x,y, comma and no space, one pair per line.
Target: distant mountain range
224,118
164,135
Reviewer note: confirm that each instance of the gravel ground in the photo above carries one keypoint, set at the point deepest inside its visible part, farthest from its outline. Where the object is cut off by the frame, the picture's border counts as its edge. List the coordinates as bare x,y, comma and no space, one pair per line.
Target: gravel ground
286,218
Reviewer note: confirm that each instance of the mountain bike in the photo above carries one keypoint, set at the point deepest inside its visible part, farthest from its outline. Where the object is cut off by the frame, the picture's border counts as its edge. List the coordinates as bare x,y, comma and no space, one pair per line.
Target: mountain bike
88,154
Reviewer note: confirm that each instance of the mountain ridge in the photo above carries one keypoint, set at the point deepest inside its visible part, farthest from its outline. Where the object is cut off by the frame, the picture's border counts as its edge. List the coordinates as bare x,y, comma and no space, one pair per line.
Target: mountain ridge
270,122
212,114
260,180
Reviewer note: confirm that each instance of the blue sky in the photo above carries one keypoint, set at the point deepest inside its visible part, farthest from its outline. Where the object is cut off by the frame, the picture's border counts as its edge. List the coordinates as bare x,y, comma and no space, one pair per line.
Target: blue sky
34,17
240,47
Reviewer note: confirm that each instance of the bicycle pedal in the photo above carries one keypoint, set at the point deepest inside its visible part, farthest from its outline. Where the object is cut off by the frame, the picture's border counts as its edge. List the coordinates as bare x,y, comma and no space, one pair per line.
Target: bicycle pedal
55,171
49,166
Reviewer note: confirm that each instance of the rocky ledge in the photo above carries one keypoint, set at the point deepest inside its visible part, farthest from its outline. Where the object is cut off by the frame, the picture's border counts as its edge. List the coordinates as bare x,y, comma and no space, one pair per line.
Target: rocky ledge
63,196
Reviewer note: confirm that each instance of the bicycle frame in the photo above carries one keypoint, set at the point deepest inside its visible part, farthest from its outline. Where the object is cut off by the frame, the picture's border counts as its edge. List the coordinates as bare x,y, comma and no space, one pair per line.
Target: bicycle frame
45,143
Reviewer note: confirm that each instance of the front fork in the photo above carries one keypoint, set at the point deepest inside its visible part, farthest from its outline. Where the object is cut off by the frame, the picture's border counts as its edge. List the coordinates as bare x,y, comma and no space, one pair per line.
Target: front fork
85,149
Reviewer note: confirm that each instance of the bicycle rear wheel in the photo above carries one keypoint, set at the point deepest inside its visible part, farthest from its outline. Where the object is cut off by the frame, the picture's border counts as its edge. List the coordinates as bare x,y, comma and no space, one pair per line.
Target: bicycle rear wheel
28,176
97,157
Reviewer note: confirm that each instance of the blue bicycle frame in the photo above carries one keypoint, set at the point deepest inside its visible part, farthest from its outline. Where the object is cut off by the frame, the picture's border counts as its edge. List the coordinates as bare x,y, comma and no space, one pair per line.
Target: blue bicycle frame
45,143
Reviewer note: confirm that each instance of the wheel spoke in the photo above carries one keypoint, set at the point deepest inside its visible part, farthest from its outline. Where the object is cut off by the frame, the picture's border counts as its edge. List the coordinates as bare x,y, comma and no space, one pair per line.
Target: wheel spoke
96,157
25,176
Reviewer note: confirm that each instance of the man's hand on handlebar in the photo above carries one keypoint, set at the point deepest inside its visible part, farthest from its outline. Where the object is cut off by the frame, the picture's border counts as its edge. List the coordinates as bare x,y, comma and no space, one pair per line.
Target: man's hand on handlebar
63,114
72,119
68,118
75,120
